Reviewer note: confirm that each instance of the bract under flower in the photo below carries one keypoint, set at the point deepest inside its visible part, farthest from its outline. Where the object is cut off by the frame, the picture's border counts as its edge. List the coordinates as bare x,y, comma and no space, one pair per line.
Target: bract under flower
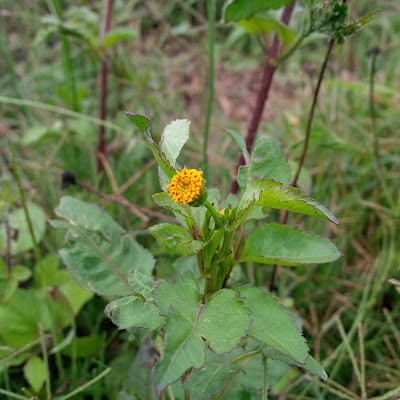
186,186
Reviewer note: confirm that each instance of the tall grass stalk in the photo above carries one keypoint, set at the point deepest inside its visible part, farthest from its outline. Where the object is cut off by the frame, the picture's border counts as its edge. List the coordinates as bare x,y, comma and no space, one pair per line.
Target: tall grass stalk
211,11
66,55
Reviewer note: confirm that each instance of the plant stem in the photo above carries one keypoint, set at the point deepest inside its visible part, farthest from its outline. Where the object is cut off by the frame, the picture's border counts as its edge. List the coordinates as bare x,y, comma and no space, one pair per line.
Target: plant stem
312,110
104,28
269,71
213,212
211,40
13,395
66,54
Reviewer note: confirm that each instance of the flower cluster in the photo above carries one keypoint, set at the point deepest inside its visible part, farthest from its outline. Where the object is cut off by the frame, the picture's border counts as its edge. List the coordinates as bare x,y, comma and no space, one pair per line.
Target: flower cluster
186,186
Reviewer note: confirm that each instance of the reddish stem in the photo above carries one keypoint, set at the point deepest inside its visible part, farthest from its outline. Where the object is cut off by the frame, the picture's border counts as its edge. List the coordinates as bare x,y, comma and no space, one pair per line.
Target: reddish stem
105,27
269,70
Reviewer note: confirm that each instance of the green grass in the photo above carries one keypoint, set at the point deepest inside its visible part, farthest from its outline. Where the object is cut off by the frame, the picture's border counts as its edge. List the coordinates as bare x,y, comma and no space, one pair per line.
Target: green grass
349,309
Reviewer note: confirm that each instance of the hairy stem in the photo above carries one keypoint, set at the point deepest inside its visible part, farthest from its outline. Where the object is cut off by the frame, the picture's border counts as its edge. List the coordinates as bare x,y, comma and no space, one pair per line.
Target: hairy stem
269,71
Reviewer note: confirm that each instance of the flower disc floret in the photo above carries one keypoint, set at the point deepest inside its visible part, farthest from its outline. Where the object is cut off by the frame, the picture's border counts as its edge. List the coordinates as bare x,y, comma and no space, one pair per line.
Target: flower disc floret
186,186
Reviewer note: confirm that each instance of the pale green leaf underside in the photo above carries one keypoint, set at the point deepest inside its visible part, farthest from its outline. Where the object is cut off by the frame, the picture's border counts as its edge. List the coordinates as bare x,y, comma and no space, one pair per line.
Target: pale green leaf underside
141,283
286,245
35,372
100,254
174,137
223,320
241,143
272,324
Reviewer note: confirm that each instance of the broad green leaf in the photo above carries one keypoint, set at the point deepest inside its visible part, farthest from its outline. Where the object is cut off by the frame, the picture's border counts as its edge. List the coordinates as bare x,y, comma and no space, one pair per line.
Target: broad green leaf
269,162
33,134
141,283
243,176
311,365
132,311
244,9
76,296
8,286
21,239
173,139
273,324
100,254
35,372
287,245
21,273
241,143
213,377
117,34
142,123
223,320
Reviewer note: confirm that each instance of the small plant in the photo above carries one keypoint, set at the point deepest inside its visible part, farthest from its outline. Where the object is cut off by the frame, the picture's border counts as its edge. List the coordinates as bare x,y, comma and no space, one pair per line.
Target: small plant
205,329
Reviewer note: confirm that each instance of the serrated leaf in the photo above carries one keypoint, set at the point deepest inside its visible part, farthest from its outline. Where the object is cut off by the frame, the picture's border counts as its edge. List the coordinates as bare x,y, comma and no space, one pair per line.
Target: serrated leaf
35,372
272,324
141,283
117,34
100,254
212,378
241,143
175,135
311,365
243,9
222,320
272,195
287,245
132,311
142,123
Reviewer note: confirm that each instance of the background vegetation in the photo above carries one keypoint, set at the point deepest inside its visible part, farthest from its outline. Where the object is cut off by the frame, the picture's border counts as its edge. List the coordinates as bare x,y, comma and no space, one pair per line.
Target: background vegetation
156,60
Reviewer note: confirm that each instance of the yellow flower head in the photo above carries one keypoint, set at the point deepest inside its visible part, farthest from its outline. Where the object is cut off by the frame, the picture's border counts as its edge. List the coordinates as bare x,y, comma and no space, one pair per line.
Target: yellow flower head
186,186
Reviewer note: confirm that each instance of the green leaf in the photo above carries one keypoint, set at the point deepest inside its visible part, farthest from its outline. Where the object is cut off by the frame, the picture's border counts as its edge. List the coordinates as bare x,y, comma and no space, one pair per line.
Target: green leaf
142,123
21,239
189,321
244,9
172,236
165,200
132,311
212,378
85,346
258,25
211,248
100,254
272,195
311,365
77,297
139,120
273,324
287,245
35,372
21,273
241,143
141,283
269,162
117,34
173,139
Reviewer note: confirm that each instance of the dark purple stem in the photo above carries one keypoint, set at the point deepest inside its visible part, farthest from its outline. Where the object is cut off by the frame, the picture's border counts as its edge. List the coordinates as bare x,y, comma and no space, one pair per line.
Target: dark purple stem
269,70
